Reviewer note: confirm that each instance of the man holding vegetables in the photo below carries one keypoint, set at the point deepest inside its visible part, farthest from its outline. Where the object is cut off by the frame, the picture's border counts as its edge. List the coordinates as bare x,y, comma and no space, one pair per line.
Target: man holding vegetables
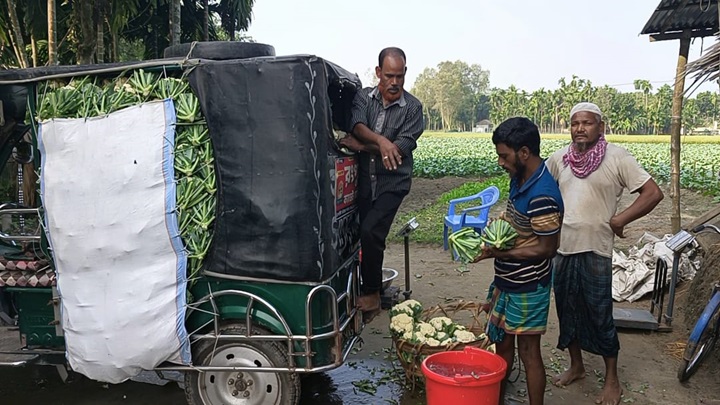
592,175
386,123
520,292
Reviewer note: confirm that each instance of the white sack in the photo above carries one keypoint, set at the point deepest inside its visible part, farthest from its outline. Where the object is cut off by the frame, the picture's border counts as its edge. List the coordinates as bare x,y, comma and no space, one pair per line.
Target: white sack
634,273
109,197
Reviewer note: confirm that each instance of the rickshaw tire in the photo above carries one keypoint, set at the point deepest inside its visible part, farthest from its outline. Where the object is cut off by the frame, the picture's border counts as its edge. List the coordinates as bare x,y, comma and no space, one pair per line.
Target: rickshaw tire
277,353
222,50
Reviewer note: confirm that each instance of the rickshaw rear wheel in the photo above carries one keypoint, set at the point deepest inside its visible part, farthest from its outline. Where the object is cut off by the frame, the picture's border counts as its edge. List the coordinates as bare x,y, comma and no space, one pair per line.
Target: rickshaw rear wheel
235,387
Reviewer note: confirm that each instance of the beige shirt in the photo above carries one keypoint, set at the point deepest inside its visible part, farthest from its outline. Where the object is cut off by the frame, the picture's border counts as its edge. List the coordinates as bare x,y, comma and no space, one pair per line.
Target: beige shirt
592,201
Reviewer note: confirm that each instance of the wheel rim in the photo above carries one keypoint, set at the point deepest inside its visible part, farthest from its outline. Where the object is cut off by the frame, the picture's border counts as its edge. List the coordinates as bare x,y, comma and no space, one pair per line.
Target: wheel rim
707,342
701,352
236,387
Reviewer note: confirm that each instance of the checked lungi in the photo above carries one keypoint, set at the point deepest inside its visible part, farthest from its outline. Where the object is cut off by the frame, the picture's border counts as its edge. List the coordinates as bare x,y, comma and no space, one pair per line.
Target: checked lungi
583,297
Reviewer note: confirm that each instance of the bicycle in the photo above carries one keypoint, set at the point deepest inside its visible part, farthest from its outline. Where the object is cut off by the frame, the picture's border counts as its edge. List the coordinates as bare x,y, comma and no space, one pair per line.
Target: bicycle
705,333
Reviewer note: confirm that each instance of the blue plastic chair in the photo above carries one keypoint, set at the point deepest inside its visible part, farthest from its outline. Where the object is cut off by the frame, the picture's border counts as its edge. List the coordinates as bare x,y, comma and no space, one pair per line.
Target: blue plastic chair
455,222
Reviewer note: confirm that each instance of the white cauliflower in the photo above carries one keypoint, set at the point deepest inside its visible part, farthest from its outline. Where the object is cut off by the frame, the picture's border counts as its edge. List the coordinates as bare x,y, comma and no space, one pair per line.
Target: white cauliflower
440,322
424,329
464,336
441,336
432,342
446,342
401,309
410,307
401,323
408,335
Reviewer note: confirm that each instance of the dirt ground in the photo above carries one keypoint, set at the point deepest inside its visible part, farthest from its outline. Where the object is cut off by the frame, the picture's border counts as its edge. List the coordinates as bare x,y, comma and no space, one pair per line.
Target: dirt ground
648,360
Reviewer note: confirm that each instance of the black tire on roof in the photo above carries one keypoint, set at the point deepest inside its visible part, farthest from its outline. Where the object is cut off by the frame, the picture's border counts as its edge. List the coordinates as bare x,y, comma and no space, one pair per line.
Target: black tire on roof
219,50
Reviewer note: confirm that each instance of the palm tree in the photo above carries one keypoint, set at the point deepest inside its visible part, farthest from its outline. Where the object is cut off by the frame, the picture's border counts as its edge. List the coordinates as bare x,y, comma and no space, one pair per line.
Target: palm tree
175,16
206,21
16,34
235,15
52,33
645,87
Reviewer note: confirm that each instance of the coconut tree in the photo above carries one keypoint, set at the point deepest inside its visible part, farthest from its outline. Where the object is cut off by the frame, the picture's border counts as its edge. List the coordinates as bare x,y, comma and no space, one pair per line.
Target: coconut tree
645,87
235,15
15,36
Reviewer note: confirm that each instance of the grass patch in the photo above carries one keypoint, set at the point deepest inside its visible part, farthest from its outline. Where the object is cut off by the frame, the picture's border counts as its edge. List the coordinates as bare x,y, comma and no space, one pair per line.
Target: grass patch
431,218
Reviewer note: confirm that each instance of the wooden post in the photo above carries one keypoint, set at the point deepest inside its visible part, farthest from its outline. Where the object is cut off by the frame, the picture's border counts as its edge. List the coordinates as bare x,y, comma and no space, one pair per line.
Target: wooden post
675,127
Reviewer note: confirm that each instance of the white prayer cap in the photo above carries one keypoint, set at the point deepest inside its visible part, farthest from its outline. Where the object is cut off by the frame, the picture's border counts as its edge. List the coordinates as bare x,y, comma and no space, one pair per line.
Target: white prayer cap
589,107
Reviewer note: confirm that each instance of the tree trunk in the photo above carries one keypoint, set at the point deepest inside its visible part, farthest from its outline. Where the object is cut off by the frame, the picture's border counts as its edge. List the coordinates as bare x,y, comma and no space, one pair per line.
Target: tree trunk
675,127
206,21
17,39
100,53
33,46
175,22
52,33
114,39
88,40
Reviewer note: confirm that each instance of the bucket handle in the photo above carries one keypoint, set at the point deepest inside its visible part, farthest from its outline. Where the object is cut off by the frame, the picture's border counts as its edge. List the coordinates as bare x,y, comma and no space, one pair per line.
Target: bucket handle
473,350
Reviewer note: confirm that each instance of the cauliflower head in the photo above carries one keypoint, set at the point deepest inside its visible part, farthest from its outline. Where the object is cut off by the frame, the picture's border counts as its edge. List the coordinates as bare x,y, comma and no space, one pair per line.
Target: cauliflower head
411,307
464,336
440,322
432,342
424,329
402,323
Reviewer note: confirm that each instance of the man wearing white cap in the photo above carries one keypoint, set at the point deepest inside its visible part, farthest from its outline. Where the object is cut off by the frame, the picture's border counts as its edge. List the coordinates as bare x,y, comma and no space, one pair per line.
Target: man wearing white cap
592,175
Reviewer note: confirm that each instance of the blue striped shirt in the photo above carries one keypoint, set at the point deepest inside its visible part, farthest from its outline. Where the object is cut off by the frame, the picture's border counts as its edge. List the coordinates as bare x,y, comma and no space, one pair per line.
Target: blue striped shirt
534,209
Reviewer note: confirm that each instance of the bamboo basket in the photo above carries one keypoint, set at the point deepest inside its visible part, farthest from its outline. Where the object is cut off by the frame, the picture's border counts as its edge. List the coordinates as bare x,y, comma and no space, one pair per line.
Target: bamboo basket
411,355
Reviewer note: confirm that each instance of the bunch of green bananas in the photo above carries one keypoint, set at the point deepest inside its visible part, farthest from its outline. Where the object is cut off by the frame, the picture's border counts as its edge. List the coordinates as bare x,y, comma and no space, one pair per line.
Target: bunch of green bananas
499,234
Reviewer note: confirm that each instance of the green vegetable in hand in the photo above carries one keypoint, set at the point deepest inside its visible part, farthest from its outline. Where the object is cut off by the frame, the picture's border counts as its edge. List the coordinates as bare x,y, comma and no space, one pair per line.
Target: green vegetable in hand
465,244
499,234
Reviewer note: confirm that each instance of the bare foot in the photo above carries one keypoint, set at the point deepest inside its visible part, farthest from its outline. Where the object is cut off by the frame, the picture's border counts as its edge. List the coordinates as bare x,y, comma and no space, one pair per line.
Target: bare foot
611,393
568,377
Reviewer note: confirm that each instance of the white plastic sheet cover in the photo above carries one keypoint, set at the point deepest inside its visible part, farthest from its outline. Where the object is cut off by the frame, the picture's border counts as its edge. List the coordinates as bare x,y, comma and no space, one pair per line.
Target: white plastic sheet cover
109,197
634,273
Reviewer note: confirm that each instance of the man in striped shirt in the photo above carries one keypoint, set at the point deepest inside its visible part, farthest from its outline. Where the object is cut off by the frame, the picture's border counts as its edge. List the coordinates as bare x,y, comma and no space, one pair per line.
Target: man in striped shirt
386,123
520,293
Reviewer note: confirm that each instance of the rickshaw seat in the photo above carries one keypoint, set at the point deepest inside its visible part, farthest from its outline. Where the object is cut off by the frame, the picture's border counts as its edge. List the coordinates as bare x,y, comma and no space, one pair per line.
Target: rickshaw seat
456,221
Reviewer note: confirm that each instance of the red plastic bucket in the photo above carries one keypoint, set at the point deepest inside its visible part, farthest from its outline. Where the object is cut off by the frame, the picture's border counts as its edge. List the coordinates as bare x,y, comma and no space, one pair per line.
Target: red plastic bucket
469,377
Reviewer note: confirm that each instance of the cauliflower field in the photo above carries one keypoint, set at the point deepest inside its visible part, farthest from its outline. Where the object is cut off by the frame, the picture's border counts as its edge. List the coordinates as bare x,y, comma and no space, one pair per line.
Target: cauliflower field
438,156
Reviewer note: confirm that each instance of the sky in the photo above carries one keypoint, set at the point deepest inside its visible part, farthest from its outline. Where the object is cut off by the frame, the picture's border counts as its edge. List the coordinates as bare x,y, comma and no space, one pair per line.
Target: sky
527,43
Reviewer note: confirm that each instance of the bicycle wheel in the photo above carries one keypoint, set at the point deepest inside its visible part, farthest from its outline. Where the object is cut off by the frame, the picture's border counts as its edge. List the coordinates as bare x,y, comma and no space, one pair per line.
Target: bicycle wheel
702,339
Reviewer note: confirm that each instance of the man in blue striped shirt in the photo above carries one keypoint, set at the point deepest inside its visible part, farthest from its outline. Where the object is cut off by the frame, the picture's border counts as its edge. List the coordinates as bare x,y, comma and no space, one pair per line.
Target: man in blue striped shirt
386,123
520,293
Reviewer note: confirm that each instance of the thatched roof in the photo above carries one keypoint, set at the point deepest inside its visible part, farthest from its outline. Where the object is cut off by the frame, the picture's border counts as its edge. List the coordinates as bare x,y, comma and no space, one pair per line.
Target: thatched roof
706,68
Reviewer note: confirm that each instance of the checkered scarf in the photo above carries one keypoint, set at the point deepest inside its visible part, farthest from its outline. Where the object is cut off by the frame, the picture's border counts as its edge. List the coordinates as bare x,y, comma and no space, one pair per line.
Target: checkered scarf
582,164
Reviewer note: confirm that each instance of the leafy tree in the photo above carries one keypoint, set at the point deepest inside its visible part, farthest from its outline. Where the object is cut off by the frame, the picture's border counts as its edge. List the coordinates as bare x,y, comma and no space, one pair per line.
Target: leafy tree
453,91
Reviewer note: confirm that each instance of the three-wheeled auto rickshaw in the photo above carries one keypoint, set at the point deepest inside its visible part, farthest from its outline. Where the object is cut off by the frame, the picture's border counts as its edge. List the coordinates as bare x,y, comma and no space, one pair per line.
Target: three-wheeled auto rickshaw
105,270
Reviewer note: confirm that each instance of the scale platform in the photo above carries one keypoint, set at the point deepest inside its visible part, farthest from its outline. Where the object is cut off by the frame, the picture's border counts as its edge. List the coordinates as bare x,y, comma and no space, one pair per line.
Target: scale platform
635,319
390,297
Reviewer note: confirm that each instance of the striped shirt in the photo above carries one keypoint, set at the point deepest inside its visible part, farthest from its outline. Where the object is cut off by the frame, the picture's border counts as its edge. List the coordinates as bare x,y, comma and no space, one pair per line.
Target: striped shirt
534,209
402,123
